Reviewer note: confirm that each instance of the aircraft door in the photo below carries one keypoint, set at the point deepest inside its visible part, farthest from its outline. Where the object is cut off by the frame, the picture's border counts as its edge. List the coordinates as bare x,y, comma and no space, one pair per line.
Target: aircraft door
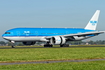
12,33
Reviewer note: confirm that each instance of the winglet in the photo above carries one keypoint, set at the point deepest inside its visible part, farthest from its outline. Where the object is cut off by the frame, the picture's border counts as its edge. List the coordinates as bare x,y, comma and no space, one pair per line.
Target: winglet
92,24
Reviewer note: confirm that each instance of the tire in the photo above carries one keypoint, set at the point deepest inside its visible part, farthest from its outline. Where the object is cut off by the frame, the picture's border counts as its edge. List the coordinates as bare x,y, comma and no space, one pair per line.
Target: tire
47,45
13,47
64,45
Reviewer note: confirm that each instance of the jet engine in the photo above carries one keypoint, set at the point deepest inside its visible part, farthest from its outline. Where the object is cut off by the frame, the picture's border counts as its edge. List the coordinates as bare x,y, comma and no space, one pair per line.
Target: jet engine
57,40
29,43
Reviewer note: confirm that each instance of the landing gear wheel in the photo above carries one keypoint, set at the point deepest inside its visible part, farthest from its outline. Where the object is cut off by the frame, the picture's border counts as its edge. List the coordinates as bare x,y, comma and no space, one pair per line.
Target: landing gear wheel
64,45
48,45
13,46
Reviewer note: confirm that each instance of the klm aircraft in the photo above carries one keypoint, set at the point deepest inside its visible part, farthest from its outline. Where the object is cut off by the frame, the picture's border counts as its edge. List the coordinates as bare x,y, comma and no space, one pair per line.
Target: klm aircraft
53,36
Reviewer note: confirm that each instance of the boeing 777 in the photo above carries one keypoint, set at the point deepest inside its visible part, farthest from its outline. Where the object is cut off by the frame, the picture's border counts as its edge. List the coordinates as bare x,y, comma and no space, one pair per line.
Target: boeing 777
53,36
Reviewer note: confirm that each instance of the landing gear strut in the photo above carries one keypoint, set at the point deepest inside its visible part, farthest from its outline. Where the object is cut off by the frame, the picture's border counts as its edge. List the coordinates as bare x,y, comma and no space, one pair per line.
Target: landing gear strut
13,46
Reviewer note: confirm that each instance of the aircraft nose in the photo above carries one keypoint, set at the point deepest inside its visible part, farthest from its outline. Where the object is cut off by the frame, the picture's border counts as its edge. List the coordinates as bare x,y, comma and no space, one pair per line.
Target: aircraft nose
3,35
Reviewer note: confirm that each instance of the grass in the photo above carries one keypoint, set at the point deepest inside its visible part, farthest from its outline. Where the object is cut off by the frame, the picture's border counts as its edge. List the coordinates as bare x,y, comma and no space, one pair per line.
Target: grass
41,54
94,65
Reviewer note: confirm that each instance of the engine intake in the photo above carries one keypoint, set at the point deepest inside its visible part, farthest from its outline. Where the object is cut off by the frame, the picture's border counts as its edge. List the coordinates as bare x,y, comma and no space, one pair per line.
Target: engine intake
58,40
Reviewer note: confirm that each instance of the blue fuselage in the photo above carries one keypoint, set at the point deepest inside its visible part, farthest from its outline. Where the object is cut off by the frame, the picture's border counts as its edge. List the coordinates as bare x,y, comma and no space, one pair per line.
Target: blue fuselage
43,31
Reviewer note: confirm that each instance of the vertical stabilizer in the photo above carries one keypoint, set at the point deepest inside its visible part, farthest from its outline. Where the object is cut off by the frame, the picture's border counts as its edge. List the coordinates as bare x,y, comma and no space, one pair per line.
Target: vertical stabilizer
92,24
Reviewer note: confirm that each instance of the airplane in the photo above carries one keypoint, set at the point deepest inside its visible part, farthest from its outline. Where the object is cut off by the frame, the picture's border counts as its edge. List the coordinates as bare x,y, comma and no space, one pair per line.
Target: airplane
53,36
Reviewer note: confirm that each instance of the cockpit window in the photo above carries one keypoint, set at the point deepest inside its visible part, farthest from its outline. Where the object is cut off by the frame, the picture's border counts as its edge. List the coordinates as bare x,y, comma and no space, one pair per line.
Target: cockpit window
7,32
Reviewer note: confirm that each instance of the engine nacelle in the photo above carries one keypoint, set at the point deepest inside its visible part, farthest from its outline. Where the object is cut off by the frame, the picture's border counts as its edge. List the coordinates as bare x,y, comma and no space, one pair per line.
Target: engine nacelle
29,43
58,40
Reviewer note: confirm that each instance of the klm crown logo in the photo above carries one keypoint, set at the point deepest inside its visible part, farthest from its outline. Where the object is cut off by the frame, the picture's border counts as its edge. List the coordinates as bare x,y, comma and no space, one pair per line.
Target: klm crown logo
93,22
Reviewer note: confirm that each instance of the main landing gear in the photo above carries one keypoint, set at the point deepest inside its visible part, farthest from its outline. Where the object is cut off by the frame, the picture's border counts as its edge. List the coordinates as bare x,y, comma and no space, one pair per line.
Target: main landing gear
48,45
64,45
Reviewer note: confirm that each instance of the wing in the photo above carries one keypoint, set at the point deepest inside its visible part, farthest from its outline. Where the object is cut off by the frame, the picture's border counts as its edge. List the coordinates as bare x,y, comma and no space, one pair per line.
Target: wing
81,36
85,34
78,36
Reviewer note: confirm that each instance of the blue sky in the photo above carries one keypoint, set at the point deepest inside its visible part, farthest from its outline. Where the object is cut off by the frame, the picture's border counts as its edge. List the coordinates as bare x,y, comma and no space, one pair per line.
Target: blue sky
50,13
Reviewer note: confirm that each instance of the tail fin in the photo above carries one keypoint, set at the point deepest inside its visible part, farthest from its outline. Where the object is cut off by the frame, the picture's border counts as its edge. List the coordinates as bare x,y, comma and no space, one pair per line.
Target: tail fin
93,22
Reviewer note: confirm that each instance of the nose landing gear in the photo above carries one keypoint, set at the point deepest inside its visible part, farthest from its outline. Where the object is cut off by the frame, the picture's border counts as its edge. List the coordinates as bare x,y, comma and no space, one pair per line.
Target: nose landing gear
13,44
